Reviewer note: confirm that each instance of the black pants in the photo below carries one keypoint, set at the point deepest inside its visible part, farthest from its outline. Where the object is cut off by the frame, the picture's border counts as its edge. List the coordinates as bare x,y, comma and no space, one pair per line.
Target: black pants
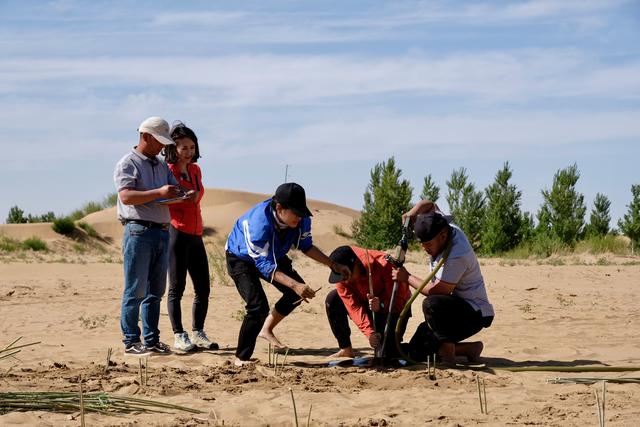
339,322
187,254
448,318
247,277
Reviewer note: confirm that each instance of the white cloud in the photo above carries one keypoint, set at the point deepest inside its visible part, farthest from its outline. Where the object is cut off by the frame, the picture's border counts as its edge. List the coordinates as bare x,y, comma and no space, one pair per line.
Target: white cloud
263,80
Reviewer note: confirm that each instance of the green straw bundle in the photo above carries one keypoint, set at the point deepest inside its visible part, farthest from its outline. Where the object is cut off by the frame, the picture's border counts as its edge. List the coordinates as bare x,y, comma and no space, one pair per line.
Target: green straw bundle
65,402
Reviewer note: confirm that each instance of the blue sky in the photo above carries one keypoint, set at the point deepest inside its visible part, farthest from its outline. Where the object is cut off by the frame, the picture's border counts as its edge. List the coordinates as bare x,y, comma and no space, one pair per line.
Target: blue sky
329,88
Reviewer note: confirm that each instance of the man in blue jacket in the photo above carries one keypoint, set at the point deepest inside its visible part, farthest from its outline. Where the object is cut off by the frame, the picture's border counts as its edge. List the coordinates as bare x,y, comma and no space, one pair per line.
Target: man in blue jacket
257,249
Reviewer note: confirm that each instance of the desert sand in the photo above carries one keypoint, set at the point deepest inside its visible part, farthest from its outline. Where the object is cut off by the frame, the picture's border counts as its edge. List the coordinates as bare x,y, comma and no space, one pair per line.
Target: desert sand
575,311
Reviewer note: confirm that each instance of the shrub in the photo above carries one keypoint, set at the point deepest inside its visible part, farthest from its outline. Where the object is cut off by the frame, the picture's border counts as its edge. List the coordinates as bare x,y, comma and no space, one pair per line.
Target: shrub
88,229
110,200
34,244
539,246
603,244
7,244
64,225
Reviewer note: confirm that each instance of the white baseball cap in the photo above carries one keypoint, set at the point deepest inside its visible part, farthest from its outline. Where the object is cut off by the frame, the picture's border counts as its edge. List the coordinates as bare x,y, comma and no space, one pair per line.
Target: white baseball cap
158,128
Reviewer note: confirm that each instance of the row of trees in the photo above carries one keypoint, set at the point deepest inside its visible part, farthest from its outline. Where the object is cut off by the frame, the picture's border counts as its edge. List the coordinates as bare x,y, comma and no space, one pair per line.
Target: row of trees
18,216
492,218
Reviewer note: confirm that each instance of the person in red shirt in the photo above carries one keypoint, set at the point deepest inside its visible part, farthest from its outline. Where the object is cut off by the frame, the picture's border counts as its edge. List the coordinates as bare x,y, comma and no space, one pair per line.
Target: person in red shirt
186,248
352,298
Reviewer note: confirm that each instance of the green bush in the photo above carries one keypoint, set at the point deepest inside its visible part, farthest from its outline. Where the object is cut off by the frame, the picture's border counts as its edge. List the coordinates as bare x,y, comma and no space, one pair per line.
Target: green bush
110,200
7,244
64,225
88,229
34,244
539,246
604,244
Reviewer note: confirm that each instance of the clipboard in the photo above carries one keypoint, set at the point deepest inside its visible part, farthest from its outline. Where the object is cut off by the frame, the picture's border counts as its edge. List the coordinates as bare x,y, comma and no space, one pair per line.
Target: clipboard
172,200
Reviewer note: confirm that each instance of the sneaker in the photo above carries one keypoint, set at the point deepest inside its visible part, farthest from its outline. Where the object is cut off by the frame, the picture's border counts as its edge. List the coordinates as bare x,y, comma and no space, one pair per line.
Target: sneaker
201,340
182,342
136,349
159,348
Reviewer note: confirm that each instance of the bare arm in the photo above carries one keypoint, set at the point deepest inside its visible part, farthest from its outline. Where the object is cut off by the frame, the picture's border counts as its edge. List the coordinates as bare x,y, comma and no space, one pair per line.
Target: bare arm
301,289
423,206
129,196
439,287
317,255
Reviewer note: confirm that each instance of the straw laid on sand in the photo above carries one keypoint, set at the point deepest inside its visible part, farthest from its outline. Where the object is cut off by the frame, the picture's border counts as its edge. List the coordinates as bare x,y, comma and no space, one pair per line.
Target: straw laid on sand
588,381
13,349
89,402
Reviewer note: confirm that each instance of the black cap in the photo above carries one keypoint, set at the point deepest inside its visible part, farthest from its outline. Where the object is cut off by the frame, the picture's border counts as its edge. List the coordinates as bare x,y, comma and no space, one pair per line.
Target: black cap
428,225
342,255
291,196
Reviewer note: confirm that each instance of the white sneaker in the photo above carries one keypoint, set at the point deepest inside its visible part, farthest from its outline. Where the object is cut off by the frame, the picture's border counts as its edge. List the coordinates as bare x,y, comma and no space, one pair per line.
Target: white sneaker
201,340
182,342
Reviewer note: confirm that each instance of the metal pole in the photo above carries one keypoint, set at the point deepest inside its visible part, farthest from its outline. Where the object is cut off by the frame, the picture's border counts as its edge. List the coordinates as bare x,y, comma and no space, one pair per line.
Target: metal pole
286,172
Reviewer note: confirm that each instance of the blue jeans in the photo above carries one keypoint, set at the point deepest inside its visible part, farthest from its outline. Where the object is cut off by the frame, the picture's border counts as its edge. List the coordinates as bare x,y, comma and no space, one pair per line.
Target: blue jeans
146,258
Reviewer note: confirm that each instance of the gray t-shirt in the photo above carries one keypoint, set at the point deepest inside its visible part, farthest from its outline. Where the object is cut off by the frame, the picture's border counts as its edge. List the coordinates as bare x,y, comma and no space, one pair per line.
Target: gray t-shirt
139,172
463,270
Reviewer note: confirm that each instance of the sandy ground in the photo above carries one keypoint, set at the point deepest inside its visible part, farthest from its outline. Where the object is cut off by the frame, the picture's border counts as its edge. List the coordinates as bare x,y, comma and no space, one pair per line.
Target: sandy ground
579,313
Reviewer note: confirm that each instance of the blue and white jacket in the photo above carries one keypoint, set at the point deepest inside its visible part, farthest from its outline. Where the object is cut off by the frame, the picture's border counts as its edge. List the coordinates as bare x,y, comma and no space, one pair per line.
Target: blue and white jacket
255,237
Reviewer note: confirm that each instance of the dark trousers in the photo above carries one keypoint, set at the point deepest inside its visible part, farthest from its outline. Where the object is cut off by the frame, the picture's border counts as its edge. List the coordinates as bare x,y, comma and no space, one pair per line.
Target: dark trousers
247,277
339,322
448,318
187,254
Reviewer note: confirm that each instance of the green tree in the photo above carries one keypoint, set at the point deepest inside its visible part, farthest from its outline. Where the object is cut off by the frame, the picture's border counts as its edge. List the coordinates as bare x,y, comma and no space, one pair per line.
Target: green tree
48,217
16,216
387,197
503,218
630,223
527,227
600,217
562,212
467,205
430,191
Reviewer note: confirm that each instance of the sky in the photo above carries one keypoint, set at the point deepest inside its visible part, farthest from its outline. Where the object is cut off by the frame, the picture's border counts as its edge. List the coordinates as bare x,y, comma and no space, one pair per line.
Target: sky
319,92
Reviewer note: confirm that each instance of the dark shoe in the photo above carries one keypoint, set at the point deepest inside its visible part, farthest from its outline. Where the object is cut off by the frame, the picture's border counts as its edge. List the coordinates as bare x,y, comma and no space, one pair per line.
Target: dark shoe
160,349
136,349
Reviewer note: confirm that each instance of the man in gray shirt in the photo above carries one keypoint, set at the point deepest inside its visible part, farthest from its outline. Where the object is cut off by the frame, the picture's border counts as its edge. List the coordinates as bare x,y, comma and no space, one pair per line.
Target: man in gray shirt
456,304
141,178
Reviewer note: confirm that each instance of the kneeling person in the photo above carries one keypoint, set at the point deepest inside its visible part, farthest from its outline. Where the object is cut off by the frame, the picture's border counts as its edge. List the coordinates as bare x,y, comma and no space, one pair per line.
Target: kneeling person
352,298
456,306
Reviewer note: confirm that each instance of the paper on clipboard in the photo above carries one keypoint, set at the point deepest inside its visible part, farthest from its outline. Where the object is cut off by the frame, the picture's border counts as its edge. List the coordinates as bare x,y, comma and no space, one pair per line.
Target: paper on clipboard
172,200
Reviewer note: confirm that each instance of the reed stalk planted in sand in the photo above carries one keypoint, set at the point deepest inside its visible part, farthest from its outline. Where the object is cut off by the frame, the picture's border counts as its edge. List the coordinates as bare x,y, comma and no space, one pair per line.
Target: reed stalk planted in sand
109,353
309,415
295,411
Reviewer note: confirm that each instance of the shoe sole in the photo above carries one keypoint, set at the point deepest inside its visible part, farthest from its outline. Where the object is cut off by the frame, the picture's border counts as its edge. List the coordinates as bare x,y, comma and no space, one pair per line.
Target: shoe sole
144,353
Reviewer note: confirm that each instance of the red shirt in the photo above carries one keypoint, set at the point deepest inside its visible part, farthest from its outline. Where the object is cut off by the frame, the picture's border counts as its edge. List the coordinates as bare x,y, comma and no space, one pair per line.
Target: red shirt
354,295
186,216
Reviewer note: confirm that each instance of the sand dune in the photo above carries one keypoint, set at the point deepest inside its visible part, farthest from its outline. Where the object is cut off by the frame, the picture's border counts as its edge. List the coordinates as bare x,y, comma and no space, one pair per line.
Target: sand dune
220,209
